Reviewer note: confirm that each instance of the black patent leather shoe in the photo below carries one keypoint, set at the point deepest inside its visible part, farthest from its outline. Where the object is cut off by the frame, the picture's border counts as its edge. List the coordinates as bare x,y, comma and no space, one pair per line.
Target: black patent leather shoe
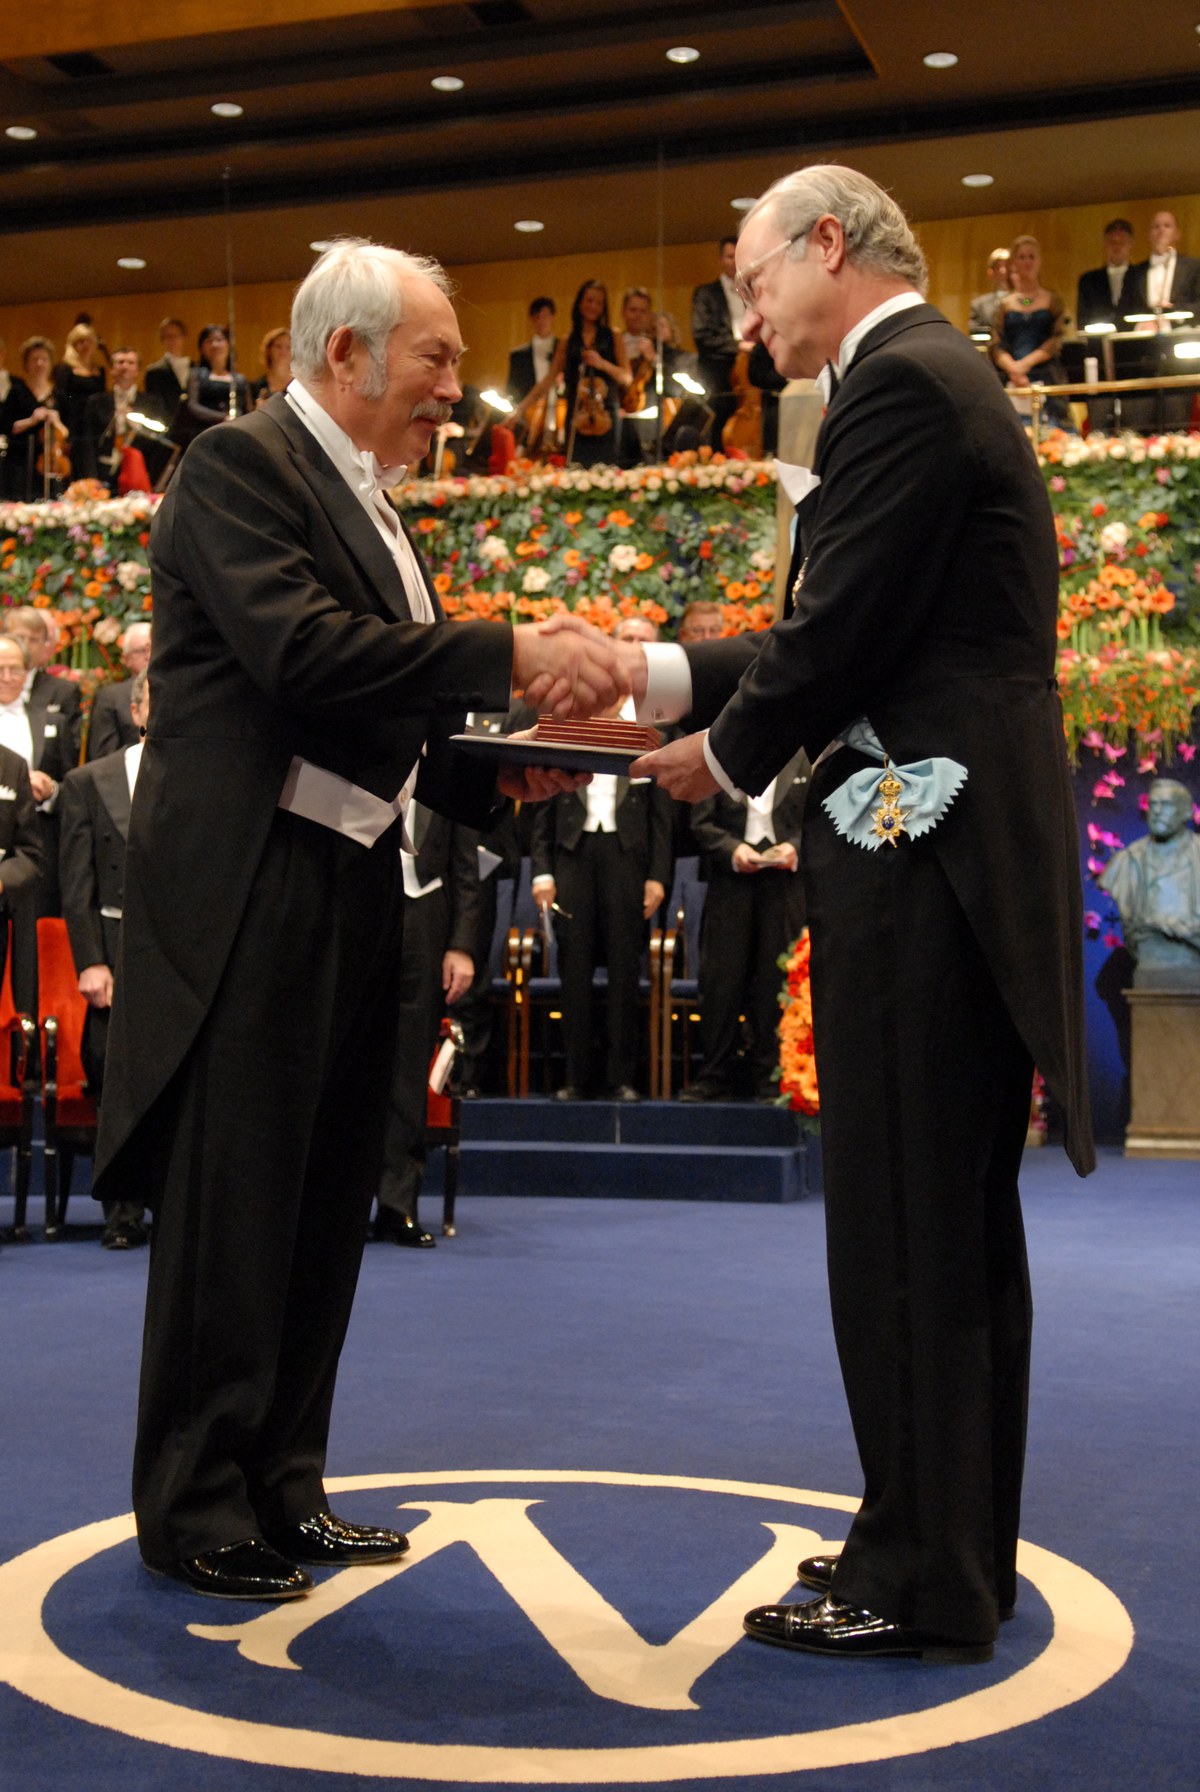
402,1228
326,1541
123,1235
247,1570
830,1627
817,1572
703,1091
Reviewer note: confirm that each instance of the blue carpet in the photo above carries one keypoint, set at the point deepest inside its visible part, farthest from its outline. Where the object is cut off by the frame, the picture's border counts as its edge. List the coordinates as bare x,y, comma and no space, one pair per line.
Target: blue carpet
676,1358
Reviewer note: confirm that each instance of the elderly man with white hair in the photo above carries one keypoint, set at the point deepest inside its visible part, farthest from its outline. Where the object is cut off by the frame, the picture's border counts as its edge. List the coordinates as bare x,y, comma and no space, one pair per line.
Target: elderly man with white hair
111,725
305,689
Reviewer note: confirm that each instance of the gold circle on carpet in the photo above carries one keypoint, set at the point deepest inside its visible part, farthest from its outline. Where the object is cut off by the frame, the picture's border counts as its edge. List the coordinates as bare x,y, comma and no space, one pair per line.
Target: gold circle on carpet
1091,1640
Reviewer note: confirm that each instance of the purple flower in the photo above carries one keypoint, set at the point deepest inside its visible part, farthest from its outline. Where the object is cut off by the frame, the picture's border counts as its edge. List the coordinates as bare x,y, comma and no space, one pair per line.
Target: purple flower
1091,922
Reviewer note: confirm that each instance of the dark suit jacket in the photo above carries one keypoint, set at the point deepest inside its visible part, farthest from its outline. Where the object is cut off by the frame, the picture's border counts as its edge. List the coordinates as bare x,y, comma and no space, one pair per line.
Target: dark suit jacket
281,629
111,725
1094,300
94,822
712,332
56,723
20,842
718,823
521,375
929,605
448,850
1185,286
643,814
101,408
162,386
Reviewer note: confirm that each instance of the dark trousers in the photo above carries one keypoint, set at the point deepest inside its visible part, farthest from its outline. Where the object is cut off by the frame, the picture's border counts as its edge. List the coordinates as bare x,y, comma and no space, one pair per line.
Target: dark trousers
474,1011
421,1004
749,919
601,887
263,1157
925,1090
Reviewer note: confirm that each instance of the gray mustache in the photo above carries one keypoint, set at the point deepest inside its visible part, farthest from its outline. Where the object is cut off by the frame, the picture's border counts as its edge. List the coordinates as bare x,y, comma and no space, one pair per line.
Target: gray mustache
435,412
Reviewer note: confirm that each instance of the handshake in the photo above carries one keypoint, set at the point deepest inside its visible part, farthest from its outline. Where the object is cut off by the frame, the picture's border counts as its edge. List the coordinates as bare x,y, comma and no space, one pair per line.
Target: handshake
565,667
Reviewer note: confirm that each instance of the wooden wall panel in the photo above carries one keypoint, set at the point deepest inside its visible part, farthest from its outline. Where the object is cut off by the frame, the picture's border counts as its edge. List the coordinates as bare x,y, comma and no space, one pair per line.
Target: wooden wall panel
493,297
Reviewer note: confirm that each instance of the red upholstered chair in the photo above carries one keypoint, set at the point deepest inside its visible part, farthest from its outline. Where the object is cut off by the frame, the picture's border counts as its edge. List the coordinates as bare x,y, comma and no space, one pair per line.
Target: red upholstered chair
68,1110
16,1096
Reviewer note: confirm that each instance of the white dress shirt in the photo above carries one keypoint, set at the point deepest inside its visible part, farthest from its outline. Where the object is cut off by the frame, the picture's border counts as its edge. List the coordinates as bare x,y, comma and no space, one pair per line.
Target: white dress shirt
15,731
1160,278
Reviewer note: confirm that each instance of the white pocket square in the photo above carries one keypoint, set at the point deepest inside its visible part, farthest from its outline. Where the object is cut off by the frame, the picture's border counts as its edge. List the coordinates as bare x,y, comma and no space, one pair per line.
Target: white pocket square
7,794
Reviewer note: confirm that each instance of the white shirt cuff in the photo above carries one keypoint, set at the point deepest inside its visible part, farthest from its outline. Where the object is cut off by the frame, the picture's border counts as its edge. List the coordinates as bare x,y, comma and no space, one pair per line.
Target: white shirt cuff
722,777
668,683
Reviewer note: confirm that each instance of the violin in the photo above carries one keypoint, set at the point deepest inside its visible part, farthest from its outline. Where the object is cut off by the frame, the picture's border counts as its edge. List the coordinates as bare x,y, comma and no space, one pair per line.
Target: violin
743,430
592,415
634,398
53,462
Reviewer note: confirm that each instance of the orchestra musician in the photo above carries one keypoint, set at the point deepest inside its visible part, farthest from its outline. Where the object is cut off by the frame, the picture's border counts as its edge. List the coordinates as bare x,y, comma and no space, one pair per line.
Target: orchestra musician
31,421
593,364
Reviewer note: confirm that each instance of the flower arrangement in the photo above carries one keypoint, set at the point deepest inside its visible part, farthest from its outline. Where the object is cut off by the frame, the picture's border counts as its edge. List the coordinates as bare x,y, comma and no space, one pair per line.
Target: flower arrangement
84,560
602,541
797,1063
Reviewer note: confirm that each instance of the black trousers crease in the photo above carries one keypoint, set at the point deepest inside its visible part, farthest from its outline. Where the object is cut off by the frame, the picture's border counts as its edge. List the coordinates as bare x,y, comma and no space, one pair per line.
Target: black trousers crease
261,1160
925,1089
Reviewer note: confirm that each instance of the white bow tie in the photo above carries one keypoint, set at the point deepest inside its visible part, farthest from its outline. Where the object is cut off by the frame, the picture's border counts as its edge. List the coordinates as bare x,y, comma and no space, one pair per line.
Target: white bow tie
15,708
374,479
1160,261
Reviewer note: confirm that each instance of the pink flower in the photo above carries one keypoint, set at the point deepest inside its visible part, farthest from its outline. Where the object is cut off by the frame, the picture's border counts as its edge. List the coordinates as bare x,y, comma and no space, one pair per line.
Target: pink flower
1112,754
1163,476
1095,867
1113,940
1091,921
1093,740
1147,764
1101,792
1144,801
1186,750
1058,483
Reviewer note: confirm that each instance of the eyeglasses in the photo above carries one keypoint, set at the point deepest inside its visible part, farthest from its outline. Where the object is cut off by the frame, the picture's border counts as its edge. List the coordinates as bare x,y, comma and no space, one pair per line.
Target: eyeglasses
743,282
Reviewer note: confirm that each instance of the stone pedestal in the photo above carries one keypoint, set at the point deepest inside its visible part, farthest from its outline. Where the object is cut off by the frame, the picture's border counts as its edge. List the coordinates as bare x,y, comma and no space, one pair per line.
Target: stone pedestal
1165,1073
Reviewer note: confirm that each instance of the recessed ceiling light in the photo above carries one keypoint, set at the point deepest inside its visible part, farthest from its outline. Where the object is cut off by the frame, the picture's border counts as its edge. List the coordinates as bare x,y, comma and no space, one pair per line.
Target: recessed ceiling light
23,133
130,261
940,59
529,225
448,83
228,109
742,205
978,180
683,53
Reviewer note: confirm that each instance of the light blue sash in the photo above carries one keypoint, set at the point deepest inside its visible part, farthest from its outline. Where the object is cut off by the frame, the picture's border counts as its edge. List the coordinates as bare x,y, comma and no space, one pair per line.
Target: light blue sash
860,808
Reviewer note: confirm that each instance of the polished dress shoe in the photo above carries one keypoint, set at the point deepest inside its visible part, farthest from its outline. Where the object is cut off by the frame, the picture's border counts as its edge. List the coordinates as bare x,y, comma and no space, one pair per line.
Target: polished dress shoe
325,1540
830,1627
817,1572
247,1570
624,1092
123,1235
402,1228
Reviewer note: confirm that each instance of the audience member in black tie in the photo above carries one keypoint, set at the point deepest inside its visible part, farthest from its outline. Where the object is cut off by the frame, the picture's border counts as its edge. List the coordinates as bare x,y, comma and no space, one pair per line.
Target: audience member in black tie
702,620
441,925
20,843
531,362
39,734
110,429
167,378
753,911
1104,292
717,313
602,855
1167,281
94,805
112,725
57,696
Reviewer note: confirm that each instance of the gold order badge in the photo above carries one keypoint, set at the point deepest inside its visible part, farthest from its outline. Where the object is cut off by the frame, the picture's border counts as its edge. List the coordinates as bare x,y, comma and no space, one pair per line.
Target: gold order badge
1091,1639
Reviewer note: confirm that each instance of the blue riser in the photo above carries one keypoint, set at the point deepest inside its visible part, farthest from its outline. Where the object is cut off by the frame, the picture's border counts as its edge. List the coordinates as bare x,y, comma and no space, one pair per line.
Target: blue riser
630,1172
537,1120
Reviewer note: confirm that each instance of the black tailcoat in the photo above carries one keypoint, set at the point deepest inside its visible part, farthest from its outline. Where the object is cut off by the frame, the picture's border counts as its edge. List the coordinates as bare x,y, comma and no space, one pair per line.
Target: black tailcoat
941,969
252,1033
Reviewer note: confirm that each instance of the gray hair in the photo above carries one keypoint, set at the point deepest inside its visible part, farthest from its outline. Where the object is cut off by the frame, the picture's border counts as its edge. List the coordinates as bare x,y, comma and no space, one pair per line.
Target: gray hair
138,687
877,233
354,284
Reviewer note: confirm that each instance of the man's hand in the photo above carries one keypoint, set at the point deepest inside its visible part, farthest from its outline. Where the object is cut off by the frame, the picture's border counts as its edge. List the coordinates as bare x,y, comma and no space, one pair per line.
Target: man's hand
535,783
653,896
782,853
566,666
42,785
545,892
458,973
632,658
96,985
680,768
745,858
